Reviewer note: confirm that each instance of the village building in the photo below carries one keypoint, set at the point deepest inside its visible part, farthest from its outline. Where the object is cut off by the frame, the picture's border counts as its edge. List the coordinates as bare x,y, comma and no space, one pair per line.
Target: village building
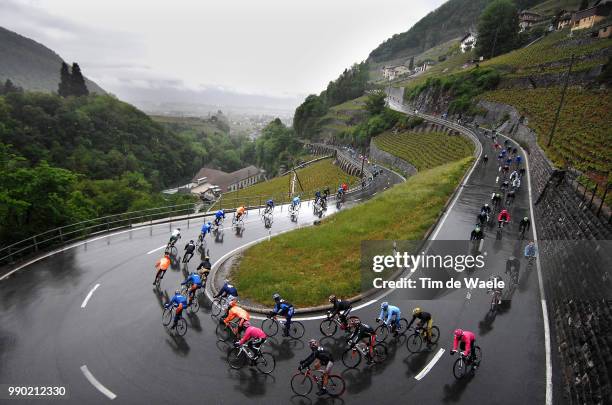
527,19
392,72
587,18
211,182
467,42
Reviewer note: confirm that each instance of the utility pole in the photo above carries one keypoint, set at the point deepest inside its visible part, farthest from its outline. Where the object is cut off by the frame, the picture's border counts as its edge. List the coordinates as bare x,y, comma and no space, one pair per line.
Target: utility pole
554,126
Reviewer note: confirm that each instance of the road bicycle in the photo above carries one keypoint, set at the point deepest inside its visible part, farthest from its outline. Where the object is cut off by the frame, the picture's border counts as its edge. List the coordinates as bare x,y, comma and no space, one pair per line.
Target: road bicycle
242,355
330,325
195,304
167,317
317,209
384,330
500,229
352,356
238,222
217,225
303,381
414,343
226,333
171,249
201,242
267,219
219,305
496,300
463,363
272,325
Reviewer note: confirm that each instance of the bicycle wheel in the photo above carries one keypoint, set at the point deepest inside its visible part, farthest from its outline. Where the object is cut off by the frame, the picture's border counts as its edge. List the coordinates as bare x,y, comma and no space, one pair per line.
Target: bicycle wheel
477,355
403,326
301,384
270,327
351,358
459,368
381,333
414,342
236,358
195,305
380,353
328,327
215,309
265,363
435,334
335,385
296,330
167,316
181,327
223,333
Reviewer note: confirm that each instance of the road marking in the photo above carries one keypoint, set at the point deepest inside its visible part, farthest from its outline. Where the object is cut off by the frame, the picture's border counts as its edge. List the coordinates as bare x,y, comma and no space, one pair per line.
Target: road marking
156,249
97,383
497,180
86,300
549,387
429,366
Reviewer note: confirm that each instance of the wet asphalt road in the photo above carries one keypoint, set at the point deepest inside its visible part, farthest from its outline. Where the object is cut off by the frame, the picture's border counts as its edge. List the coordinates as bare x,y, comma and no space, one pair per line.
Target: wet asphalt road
46,337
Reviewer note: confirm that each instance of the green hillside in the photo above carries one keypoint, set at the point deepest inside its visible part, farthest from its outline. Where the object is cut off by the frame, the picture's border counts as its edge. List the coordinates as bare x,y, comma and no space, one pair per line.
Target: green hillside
30,65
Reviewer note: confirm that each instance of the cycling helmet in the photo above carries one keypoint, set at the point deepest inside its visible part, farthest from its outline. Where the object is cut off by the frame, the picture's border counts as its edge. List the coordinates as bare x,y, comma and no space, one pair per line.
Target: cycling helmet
486,205
313,343
246,324
332,298
191,241
477,229
233,303
206,257
209,223
178,229
526,219
384,305
276,296
416,311
458,332
177,291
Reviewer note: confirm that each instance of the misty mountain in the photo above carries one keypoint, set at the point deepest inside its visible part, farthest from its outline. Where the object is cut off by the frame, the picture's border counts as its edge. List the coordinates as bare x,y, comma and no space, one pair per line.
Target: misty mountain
32,65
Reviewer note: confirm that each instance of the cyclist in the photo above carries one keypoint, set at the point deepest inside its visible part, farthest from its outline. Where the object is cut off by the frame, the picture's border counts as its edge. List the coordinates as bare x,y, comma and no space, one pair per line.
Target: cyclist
203,269
324,359
518,160
477,233
425,321
295,203
393,315
485,158
508,161
341,308
235,312
506,142
206,228
516,183
524,225
179,302
505,185
253,336
486,209
522,171
345,187
505,169
360,332
189,249
514,151
495,199
269,206
240,211
530,250
504,216
193,282
497,289
174,237
228,291
514,175
510,196
283,308
219,217
162,265
482,217
465,340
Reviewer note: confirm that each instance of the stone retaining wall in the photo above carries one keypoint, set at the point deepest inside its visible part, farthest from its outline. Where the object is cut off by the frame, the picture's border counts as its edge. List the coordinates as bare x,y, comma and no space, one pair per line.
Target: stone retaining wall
387,159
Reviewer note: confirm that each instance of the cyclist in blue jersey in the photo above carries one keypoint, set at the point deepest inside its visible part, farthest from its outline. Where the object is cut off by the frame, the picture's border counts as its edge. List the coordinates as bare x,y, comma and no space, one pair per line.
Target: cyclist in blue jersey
283,308
518,160
206,228
392,313
228,291
219,216
179,302
193,282
295,202
269,206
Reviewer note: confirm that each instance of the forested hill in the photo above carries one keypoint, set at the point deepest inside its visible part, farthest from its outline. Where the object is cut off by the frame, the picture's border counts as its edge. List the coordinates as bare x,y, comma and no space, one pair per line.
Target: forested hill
30,65
450,20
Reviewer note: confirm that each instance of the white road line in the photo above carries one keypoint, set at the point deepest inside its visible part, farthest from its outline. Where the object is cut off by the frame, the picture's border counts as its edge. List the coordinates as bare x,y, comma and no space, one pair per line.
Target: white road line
156,249
429,366
549,386
497,180
86,300
97,383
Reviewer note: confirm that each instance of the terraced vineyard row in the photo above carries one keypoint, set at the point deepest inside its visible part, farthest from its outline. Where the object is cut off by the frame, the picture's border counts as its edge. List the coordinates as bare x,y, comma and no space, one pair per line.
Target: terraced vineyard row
425,150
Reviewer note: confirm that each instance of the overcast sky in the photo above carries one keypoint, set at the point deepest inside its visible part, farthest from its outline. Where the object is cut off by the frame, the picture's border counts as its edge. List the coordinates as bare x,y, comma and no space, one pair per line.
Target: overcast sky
268,47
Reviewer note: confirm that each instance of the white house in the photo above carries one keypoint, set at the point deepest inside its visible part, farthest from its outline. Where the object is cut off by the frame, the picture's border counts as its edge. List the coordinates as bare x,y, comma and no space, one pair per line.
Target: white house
468,42
391,72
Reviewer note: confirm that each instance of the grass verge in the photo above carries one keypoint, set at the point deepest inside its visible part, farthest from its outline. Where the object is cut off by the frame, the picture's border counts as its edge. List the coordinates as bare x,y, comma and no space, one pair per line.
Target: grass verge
309,264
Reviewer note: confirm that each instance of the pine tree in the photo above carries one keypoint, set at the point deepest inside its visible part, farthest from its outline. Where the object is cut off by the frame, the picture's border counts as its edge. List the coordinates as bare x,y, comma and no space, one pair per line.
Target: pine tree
64,87
78,87
10,87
